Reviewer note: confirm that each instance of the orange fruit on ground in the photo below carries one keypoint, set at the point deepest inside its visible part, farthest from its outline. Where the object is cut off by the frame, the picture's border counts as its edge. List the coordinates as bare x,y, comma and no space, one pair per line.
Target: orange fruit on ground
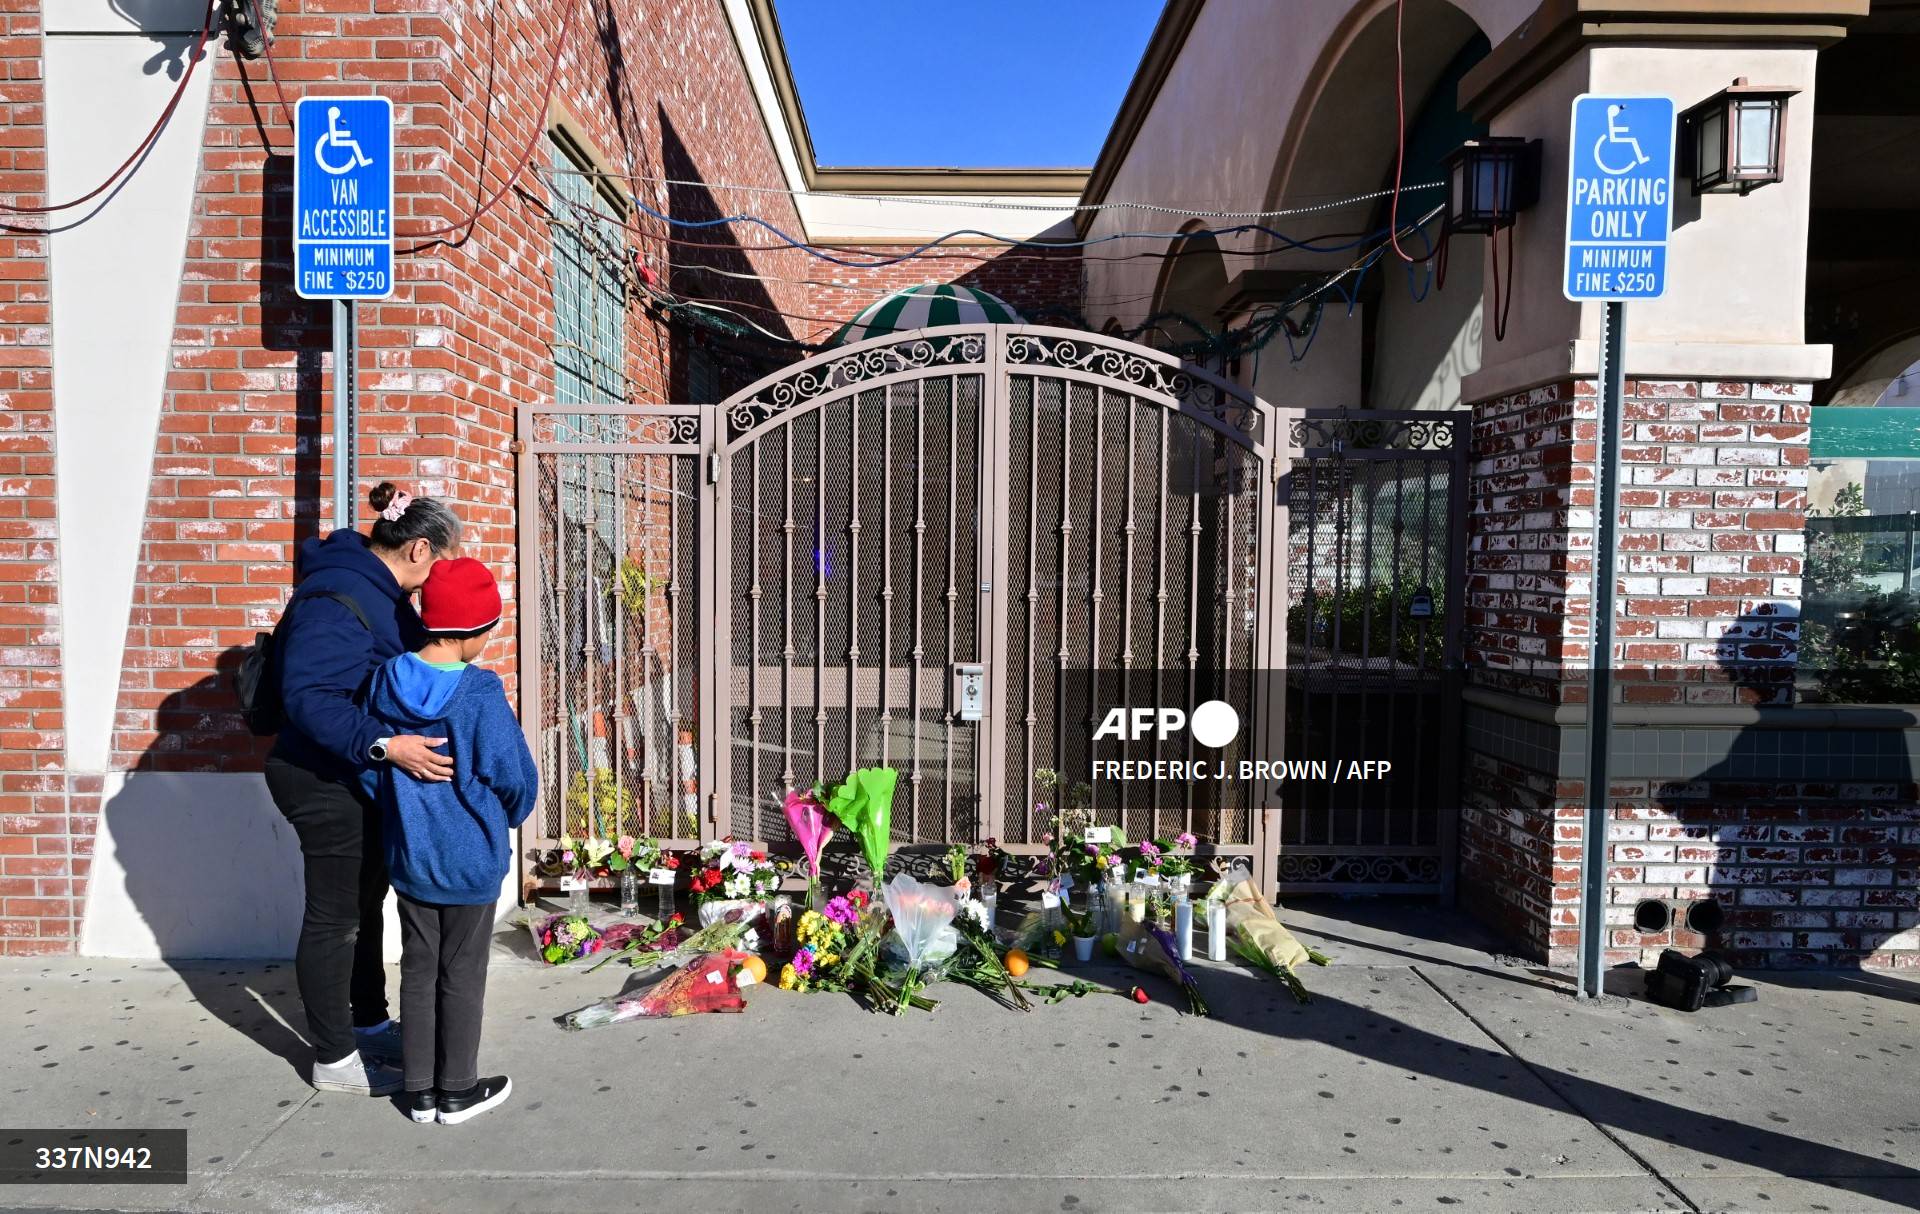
756,967
1016,962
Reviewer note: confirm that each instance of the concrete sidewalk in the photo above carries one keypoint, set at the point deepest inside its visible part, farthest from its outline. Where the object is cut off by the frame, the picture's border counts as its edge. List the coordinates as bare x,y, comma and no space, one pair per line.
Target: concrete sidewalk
1426,1072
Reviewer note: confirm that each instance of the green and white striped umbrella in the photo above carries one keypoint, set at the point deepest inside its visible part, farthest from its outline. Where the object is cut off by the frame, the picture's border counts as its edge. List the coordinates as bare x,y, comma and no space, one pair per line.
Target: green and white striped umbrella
926,306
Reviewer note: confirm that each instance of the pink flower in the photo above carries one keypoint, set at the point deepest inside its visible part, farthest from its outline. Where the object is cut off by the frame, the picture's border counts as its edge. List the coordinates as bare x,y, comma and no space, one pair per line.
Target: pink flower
626,847
803,962
566,857
1185,839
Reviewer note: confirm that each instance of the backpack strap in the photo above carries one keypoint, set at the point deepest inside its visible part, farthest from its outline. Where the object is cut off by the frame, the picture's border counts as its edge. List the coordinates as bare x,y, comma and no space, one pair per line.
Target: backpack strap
347,601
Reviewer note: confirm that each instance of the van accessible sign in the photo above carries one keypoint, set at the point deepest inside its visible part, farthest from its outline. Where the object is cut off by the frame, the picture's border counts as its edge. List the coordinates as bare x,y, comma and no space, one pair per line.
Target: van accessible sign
343,197
1619,197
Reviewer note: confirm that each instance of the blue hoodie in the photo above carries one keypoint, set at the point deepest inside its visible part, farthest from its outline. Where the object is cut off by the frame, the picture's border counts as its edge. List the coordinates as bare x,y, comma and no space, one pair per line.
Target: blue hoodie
448,843
326,657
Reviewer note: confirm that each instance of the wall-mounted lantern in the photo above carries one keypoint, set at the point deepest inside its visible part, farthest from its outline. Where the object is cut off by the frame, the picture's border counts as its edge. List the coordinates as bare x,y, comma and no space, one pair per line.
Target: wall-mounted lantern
1489,181
1733,141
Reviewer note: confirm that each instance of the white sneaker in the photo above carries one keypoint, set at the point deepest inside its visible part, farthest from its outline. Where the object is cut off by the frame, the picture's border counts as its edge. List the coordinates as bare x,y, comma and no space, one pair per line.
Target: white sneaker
357,1076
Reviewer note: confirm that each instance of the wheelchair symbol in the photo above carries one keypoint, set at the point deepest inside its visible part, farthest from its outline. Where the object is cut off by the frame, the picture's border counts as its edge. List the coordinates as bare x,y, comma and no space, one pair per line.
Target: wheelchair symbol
1617,134
338,136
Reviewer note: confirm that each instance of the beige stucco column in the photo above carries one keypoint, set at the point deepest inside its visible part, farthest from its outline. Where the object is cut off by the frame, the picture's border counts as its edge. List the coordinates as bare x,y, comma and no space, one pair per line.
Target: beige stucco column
1713,489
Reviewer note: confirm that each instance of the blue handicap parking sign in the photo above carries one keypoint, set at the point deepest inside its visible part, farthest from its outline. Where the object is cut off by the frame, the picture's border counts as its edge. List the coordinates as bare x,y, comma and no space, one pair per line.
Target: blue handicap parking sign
343,197
1619,197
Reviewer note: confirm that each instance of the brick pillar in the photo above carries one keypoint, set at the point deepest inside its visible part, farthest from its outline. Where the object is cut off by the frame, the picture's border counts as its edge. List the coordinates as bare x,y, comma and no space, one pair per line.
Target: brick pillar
39,863
1713,505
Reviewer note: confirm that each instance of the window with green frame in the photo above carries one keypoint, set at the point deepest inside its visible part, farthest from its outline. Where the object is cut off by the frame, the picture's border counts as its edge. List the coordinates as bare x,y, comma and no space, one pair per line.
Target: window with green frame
589,283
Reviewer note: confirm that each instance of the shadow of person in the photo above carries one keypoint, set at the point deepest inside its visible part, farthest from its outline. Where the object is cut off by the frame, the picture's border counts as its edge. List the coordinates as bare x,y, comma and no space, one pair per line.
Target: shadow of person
1476,1059
1784,832
193,866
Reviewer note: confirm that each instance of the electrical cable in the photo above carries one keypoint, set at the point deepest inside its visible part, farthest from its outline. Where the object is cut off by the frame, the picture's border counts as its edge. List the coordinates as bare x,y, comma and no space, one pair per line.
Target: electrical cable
1400,128
526,154
193,55
1063,208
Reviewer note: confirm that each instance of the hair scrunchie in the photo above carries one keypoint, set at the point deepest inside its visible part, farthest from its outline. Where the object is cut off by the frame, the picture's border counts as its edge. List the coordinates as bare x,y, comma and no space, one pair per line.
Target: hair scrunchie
397,507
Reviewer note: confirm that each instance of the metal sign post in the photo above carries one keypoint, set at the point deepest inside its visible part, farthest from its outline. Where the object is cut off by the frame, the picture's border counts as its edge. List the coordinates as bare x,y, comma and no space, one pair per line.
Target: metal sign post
343,242
346,411
1619,215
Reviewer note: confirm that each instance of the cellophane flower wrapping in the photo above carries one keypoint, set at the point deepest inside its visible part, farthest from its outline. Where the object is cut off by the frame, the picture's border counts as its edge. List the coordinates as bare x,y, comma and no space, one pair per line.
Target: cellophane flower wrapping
923,932
706,984
559,939
1257,934
1150,948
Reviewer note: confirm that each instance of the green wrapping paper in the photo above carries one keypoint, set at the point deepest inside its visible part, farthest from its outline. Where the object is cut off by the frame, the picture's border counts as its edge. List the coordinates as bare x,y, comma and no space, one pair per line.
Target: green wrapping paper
863,803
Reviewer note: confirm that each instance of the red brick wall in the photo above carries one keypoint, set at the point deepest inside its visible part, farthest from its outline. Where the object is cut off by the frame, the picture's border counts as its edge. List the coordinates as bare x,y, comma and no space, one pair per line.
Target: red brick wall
1029,279
1810,871
242,468
40,858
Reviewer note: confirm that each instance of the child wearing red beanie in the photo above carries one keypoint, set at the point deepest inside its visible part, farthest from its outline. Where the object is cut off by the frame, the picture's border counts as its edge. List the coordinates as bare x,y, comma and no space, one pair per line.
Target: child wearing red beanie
449,843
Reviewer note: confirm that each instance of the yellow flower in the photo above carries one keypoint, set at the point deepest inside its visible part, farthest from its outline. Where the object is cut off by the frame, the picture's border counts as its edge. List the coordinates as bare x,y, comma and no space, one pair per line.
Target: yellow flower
830,959
787,977
1059,939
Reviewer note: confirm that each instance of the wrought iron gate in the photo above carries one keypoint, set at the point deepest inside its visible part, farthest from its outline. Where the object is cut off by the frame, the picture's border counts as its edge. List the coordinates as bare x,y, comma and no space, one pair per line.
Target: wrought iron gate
741,598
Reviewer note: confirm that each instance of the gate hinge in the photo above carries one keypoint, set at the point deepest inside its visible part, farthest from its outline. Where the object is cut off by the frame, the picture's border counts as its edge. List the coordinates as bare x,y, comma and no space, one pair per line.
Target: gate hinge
713,808
713,467
517,447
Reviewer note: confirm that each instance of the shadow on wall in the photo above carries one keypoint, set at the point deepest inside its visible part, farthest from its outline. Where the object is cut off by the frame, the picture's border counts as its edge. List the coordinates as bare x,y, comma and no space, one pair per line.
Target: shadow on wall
1787,848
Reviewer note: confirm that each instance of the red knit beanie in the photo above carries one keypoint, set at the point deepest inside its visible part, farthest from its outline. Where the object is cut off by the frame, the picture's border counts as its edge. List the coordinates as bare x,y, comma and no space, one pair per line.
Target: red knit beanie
460,595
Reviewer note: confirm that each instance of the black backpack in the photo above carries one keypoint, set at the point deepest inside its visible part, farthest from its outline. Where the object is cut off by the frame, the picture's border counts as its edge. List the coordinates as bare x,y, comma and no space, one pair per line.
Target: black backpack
256,681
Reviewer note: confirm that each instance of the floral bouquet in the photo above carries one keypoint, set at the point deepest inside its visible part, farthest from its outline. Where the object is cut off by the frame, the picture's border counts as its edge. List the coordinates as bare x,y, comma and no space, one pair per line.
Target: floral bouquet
923,932
987,863
1150,947
863,803
808,818
732,930
824,937
1257,935
642,854
707,984
733,871
564,938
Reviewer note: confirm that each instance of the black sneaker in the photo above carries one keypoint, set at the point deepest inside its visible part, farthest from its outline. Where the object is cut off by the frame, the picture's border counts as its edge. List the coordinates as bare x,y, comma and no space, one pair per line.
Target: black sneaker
456,1107
423,1107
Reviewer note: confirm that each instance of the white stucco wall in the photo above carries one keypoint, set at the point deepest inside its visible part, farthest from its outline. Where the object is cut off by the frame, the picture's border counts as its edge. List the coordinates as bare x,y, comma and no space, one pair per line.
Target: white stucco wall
201,864
115,279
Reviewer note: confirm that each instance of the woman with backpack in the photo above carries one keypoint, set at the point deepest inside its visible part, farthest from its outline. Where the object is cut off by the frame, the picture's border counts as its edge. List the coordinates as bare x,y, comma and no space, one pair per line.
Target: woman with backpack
351,611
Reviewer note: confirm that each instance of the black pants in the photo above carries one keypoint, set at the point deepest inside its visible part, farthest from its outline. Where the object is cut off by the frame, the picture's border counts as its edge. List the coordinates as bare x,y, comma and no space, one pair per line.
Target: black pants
338,964
443,992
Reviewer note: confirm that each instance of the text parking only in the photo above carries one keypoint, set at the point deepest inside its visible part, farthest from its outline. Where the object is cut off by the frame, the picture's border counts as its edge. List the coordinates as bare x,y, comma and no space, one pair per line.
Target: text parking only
1619,197
343,198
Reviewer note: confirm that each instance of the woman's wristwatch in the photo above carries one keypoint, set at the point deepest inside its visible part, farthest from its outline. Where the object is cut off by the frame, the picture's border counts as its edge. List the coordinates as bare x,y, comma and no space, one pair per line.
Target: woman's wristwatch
378,751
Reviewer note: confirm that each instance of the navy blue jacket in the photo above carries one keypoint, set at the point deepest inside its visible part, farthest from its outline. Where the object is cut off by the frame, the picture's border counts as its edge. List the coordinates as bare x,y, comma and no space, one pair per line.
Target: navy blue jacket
450,843
326,658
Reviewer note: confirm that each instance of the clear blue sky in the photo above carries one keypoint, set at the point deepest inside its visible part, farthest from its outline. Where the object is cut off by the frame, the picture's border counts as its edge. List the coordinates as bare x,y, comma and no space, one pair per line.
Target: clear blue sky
967,83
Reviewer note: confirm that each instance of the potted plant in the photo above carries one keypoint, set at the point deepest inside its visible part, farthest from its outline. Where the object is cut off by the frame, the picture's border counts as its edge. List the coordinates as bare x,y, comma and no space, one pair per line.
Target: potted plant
1177,867
1081,926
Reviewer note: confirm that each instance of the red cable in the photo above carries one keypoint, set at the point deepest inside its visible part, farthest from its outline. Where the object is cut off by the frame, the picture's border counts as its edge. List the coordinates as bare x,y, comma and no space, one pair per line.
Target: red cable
160,124
266,52
1400,129
526,154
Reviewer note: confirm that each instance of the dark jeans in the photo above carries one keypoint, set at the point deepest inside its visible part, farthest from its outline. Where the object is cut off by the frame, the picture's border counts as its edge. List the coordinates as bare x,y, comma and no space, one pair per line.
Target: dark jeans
443,992
338,964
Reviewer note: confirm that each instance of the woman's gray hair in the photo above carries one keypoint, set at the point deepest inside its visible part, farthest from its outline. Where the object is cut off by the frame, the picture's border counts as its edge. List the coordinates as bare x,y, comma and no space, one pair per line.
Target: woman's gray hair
420,518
